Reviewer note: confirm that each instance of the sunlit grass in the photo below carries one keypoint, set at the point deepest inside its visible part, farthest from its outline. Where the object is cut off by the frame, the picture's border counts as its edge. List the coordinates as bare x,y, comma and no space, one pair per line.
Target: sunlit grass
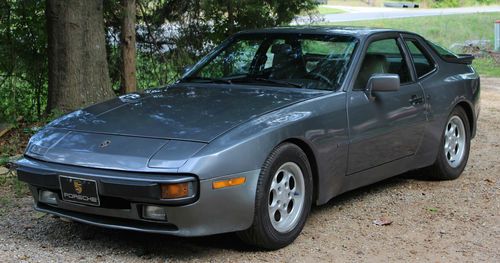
422,3
355,2
487,67
325,10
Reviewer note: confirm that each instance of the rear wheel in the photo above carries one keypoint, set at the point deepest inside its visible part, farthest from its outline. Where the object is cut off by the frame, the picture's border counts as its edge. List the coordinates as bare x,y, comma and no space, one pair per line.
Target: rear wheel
454,149
283,199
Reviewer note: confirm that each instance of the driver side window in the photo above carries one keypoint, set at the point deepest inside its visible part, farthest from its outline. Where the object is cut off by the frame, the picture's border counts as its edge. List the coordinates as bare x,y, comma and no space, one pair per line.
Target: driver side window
383,56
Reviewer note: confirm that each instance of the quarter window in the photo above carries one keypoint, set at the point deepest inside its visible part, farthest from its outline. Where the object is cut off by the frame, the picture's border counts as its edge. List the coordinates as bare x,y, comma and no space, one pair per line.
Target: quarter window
421,59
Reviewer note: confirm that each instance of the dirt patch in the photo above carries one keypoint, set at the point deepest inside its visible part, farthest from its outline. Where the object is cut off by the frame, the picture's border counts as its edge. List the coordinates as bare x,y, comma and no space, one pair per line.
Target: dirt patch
15,139
452,221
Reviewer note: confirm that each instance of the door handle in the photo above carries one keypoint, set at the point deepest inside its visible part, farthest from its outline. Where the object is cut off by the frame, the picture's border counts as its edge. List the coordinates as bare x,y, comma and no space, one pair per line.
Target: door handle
414,100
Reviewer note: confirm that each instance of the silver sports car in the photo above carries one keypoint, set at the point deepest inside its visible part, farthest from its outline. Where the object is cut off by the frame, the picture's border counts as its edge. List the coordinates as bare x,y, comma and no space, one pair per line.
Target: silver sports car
270,123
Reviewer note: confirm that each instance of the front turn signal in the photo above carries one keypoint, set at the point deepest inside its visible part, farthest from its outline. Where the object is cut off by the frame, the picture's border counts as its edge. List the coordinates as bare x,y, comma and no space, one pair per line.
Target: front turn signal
228,182
172,191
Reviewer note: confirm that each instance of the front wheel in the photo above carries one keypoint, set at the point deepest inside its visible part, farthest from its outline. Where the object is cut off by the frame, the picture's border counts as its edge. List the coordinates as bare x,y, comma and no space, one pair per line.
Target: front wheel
283,199
454,149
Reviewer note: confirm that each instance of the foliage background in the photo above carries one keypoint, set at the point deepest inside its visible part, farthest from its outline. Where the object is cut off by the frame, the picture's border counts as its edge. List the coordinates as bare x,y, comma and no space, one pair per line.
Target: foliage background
23,59
170,35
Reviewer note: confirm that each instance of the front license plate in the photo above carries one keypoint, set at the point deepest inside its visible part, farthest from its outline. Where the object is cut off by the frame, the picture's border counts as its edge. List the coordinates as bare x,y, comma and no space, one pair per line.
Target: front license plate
77,190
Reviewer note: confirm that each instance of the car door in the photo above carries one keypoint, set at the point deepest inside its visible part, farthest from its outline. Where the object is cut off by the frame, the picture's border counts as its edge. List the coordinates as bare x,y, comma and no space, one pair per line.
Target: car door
391,125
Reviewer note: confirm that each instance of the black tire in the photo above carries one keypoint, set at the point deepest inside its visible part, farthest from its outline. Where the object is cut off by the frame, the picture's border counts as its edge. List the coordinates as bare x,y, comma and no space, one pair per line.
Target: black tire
441,169
262,234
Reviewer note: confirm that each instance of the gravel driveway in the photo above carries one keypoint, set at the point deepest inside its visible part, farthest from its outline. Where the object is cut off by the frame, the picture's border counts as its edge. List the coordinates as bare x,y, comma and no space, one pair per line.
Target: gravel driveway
452,221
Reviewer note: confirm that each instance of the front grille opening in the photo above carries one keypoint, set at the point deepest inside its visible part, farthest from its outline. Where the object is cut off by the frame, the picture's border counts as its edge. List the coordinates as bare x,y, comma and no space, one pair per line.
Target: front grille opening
114,202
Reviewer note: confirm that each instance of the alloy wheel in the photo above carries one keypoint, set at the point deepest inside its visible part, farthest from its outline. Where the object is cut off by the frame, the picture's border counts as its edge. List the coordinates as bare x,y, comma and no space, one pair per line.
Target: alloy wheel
286,197
454,141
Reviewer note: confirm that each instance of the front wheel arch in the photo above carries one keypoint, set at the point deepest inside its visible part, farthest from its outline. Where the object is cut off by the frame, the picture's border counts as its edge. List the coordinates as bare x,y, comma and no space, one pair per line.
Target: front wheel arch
307,149
262,233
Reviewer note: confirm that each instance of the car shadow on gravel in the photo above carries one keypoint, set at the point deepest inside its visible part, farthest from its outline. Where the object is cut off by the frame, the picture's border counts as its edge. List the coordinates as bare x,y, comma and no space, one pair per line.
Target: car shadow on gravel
360,193
49,232
144,245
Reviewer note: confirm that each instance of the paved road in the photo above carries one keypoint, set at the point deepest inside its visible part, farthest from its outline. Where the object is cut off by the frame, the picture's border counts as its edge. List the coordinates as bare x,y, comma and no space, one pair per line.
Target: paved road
371,13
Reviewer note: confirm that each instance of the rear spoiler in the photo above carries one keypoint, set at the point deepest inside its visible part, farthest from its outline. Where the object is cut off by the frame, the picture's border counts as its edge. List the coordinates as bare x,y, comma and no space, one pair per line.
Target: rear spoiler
461,59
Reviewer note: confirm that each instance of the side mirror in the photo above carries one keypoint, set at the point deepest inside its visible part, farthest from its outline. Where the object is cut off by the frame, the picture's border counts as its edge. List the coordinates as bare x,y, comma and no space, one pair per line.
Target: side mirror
382,83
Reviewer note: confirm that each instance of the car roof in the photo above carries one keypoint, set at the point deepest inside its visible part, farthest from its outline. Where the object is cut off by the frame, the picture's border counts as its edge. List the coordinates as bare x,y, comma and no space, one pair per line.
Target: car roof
340,30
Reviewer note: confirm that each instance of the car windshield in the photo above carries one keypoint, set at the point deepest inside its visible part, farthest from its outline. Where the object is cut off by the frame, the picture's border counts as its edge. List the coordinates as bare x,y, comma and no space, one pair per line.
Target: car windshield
296,61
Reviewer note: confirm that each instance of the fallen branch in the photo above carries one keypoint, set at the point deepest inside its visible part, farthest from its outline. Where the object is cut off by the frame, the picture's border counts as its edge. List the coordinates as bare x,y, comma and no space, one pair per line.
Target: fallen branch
6,127
11,170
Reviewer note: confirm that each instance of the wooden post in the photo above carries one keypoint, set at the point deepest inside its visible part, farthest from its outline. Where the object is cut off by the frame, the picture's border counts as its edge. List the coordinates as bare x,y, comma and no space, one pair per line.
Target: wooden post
497,36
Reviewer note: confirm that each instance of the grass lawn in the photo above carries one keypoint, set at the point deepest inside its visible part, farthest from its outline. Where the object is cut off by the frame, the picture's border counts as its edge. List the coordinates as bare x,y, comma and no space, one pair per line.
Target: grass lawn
422,3
325,10
354,2
447,30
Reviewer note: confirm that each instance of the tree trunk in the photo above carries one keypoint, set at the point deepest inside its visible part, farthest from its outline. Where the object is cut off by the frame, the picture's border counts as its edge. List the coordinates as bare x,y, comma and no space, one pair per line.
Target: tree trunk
78,67
230,17
129,82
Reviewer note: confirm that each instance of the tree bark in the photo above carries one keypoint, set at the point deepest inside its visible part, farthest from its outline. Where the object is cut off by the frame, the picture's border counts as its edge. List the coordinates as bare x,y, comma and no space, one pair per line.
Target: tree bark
78,67
230,17
128,76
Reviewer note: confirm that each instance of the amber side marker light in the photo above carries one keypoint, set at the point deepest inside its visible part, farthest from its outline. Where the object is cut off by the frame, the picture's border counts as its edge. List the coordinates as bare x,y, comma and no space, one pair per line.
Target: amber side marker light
172,191
228,182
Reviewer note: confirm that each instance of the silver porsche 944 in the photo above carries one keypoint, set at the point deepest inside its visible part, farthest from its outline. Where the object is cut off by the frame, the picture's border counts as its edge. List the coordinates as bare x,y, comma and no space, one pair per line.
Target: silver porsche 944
268,124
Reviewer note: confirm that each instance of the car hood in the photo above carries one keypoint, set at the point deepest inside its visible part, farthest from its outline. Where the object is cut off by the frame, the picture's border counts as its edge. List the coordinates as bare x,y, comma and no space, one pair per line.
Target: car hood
117,152
158,129
181,112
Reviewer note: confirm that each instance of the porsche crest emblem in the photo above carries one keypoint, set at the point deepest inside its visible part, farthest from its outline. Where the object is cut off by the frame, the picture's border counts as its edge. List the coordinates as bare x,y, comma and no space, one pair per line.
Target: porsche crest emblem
78,186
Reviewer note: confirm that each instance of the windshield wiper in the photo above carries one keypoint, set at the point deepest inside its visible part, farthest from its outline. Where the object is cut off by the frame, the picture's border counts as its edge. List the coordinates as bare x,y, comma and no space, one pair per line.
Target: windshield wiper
282,82
247,79
273,81
209,80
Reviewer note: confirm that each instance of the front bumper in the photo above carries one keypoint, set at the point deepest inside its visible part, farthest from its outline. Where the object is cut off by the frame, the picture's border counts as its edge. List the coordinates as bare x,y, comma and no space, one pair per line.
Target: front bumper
123,195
